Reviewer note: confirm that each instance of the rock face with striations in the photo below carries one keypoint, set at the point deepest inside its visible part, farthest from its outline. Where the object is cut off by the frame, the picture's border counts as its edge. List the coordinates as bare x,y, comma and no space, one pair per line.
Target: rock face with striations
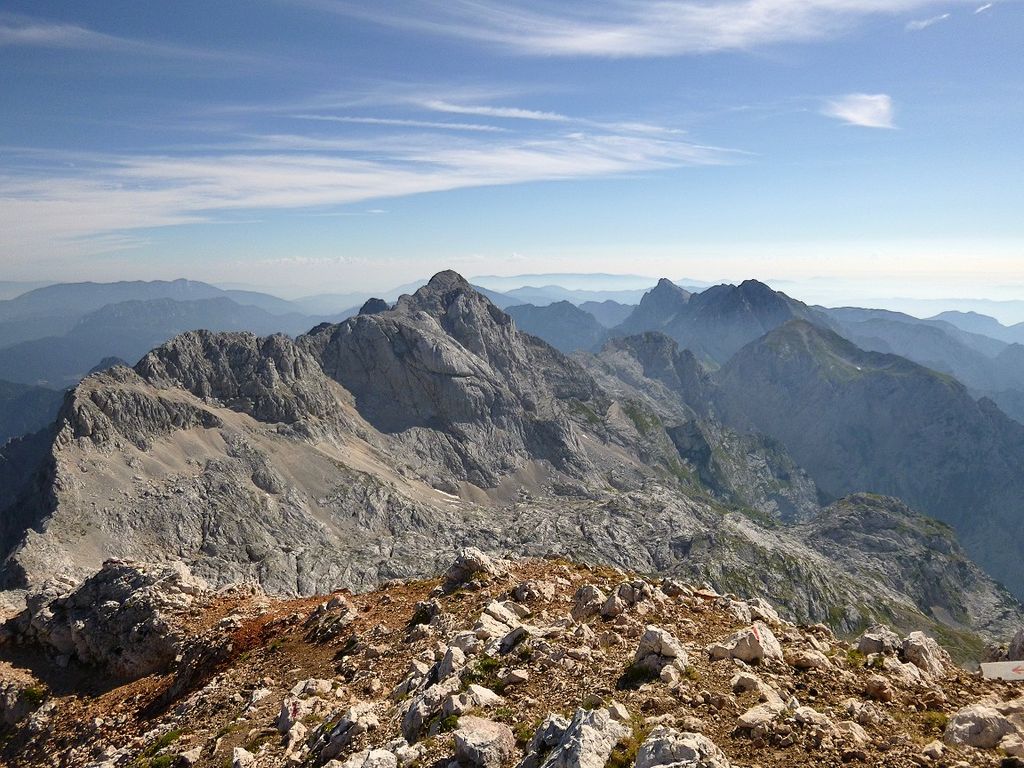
448,371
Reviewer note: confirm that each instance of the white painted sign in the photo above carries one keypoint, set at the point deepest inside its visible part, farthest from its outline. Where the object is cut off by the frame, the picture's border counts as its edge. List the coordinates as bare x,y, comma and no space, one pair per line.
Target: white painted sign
1003,670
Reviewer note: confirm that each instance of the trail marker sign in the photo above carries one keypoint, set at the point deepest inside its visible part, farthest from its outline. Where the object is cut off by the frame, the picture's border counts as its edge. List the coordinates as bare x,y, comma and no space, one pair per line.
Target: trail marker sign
1003,670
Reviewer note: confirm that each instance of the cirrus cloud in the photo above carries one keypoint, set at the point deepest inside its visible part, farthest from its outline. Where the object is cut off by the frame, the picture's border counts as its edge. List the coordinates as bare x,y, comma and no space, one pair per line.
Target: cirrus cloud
867,110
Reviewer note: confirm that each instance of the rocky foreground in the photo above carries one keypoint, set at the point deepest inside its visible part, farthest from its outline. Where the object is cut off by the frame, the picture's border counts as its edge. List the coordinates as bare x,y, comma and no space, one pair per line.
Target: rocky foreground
534,663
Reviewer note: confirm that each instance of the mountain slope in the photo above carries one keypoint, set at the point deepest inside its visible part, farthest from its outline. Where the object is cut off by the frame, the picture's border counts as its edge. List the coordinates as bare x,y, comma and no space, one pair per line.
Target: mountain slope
974,322
367,449
608,313
564,326
861,420
744,470
532,662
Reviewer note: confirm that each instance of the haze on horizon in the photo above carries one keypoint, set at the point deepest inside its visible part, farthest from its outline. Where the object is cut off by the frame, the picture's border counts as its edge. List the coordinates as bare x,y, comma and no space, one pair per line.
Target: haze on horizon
856,149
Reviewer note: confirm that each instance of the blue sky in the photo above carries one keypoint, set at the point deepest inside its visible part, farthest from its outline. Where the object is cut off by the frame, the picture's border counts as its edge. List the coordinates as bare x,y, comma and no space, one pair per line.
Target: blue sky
331,145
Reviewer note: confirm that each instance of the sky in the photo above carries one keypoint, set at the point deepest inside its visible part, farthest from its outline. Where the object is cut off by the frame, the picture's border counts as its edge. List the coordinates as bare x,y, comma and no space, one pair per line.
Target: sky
873,146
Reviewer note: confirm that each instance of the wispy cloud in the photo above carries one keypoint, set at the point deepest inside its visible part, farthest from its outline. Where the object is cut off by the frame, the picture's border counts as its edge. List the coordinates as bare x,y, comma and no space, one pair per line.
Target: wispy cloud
22,31
869,110
982,8
625,29
402,123
114,195
512,113
918,24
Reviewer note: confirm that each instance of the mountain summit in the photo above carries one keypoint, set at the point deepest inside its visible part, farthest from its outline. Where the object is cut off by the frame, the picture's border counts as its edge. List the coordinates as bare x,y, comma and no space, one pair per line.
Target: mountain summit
716,322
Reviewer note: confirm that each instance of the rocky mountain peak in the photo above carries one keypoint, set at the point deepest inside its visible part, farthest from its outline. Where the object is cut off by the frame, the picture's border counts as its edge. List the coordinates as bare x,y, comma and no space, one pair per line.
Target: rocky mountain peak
666,294
658,307
438,293
445,359
374,307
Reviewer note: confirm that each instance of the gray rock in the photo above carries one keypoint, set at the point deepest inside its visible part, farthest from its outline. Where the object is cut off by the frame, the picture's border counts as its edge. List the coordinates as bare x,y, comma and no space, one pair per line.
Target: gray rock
587,602
368,758
978,726
483,743
667,747
473,698
752,645
878,639
359,719
926,654
472,563
586,741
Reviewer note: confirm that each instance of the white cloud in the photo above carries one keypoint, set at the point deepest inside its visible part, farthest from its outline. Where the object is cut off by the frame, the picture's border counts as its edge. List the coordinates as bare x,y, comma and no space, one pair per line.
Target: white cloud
982,8
621,29
869,110
919,24
61,211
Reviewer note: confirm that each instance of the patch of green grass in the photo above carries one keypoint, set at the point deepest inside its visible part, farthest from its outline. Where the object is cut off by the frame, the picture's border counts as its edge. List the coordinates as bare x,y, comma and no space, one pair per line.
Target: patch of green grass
149,758
524,732
35,694
259,740
448,724
644,420
855,658
934,722
275,645
227,730
691,673
483,672
582,409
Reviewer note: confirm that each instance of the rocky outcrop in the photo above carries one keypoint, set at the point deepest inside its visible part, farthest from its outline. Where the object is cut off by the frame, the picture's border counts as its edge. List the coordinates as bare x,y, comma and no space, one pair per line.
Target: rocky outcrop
743,469
716,322
272,379
122,619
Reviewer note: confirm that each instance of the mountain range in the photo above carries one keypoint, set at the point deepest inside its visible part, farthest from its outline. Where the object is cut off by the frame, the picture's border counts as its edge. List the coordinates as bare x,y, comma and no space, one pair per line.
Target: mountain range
366,449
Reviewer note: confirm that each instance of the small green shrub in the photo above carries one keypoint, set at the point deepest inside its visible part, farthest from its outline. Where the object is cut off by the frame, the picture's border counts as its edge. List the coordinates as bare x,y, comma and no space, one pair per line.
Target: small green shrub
624,753
35,694
448,724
